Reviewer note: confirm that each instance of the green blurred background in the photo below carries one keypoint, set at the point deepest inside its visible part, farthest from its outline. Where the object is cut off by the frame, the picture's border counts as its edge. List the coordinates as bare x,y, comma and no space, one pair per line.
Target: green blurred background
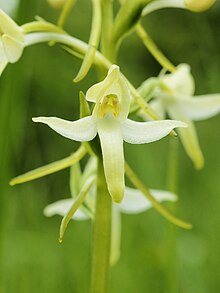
156,257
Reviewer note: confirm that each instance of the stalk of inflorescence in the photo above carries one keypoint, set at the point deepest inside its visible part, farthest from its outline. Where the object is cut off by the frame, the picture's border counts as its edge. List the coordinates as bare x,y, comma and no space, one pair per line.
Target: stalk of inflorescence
103,212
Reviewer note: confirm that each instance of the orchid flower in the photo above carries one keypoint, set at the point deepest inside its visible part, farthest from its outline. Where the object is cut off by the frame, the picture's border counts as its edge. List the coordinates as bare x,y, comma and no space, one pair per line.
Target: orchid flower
109,119
11,41
134,202
174,95
193,5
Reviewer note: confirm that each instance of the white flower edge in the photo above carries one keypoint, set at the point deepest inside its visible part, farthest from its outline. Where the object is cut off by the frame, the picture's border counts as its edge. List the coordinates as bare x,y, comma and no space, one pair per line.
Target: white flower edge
62,207
134,202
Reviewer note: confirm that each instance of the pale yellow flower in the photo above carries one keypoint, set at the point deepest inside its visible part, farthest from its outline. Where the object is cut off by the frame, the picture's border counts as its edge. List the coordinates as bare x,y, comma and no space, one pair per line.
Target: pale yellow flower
109,120
11,41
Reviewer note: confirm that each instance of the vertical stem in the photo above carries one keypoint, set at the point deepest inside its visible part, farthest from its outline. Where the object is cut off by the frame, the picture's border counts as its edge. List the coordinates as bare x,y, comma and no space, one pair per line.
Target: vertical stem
103,211
101,235
107,47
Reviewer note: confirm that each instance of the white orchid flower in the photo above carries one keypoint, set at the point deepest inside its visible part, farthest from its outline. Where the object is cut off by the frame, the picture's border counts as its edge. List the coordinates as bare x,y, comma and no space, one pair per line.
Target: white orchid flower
11,41
134,202
174,95
193,5
109,120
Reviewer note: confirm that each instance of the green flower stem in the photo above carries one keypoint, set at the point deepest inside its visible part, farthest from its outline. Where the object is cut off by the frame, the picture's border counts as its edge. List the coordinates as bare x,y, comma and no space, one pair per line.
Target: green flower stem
153,49
93,41
107,46
50,168
75,44
77,203
65,12
41,26
101,235
127,17
160,209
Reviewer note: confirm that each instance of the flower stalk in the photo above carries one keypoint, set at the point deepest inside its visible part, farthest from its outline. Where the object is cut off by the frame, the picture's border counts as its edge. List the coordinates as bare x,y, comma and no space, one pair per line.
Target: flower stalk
101,235
140,185
153,49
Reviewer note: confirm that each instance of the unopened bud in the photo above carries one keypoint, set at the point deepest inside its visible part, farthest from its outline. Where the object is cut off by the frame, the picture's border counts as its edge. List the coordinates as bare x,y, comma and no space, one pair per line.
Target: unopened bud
56,4
198,5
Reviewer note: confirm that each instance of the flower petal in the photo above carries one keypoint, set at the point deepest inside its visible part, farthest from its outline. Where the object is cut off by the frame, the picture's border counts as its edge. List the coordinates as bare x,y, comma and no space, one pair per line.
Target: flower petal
180,82
81,130
200,107
62,207
188,137
9,27
145,132
135,202
114,84
113,156
12,47
98,90
115,236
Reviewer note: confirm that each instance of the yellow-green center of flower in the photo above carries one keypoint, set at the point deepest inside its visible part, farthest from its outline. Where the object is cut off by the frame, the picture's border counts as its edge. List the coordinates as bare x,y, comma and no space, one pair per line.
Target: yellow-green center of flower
109,105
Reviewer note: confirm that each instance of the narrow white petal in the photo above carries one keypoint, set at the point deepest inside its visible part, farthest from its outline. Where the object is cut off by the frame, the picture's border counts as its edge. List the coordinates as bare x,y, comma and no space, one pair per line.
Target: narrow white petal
12,47
188,138
113,156
81,130
135,202
145,132
200,107
115,235
9,27
62,207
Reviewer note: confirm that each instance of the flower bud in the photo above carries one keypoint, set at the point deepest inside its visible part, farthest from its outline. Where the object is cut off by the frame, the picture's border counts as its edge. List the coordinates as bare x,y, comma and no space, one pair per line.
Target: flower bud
198,5
56,4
